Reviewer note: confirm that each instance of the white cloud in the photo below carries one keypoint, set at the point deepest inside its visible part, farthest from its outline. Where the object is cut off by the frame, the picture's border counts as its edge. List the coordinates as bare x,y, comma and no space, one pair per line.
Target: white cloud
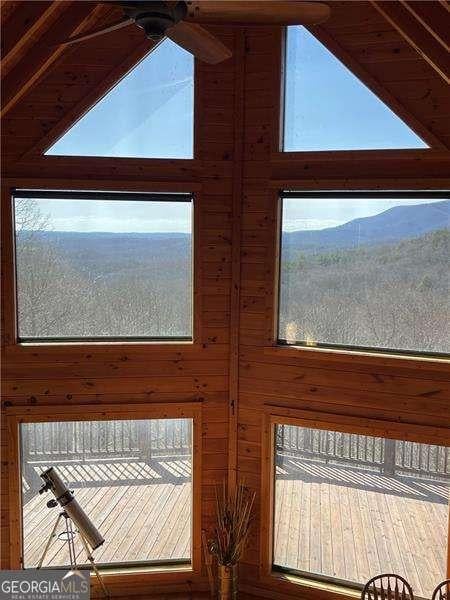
309,224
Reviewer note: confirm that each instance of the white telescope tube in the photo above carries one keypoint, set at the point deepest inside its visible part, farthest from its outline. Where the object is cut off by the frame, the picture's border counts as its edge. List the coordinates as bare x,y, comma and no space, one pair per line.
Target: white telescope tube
67,500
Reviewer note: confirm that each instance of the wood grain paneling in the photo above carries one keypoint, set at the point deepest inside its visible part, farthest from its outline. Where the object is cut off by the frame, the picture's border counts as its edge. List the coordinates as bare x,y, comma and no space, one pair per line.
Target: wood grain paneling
370,46
233,368
397,393
43,377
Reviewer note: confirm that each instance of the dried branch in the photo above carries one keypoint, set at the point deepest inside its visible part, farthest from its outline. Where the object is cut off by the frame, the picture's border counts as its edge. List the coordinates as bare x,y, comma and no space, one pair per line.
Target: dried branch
233,515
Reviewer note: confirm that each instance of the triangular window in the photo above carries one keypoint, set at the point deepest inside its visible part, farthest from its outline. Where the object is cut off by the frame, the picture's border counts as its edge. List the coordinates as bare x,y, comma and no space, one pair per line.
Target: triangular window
329,108
148,114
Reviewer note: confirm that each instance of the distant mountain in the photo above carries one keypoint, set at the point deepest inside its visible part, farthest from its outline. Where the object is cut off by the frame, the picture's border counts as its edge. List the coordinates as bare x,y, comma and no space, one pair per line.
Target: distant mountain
392,225
106,253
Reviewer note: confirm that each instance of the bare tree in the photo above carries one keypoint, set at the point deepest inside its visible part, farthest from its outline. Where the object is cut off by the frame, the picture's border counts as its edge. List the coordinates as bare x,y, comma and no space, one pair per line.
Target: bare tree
388,296
66,290
45,279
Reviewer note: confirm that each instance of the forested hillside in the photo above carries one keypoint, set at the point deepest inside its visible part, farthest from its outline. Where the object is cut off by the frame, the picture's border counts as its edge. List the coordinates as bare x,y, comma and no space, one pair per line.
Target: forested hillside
380,281
100,285
386,295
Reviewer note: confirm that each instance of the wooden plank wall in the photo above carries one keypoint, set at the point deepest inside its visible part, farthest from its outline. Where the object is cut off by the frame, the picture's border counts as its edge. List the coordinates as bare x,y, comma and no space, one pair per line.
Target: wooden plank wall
238,173
380,388
92,375
391,67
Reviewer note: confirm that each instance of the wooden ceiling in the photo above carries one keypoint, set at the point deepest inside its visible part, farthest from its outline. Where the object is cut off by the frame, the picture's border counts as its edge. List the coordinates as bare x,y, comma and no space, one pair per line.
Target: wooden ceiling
406,66
399,49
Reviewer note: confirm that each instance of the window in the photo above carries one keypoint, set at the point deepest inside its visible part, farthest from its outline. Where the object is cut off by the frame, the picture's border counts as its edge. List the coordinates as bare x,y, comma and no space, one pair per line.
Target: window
350,506
366,270
133,478
148,114
329,108
99,266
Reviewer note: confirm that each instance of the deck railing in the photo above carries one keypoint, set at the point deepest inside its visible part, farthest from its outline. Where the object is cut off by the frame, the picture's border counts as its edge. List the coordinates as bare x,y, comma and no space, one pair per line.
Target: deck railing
386,455
83,440
158,437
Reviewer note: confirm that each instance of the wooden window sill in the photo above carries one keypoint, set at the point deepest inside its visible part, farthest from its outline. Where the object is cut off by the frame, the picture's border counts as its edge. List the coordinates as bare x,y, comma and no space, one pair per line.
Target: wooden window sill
314,584
332,355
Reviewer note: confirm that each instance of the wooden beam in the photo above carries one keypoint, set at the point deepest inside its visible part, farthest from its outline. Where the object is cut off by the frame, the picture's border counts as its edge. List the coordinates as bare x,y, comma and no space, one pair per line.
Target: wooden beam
96,94
36,62
377,88
416,35
434,17
7,9
24,28
239,127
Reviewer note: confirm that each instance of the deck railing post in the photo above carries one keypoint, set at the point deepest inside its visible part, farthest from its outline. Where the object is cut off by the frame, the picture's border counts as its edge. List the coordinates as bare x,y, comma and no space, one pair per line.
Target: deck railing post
280,437
389,457
25,440
144,439
308,441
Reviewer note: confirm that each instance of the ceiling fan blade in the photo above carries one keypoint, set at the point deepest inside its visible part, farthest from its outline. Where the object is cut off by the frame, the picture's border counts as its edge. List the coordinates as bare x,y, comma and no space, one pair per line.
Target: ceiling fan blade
199,42
269,12
100,31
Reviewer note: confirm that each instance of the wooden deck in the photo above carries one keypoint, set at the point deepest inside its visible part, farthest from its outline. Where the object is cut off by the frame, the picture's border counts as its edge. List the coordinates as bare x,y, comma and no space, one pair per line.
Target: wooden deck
351,524
142,510
337,521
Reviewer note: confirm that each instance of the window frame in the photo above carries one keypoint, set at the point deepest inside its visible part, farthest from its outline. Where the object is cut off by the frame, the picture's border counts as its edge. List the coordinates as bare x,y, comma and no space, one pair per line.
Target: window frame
50,140
15,416
90,193
346,60
279,415
345,194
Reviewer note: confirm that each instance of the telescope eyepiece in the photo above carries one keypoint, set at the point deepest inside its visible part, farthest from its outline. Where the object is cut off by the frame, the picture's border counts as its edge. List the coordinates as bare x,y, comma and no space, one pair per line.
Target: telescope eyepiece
47,486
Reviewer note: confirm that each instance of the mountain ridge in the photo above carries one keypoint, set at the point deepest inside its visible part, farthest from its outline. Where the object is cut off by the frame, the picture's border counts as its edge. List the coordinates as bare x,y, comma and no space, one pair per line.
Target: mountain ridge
392,225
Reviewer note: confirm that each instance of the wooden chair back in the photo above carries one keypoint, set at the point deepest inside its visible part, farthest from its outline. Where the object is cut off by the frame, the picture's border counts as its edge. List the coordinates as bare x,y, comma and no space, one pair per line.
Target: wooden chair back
387,586
442,591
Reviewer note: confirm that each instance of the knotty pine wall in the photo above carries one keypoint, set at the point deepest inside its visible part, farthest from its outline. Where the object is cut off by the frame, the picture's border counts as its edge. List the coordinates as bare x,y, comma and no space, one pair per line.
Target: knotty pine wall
80,375
383,388
236,368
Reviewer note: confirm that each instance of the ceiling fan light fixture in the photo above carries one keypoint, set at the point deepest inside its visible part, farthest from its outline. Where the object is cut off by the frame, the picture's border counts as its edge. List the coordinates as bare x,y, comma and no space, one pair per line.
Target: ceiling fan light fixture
154,25
156,17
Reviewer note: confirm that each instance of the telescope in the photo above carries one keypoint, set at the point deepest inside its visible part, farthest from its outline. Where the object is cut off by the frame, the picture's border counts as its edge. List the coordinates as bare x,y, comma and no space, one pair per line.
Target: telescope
66,499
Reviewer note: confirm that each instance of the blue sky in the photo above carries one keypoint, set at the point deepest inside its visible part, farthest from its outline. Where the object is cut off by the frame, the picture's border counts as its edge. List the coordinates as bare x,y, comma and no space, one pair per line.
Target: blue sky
150,114
328,108
117,215
163,217
308,214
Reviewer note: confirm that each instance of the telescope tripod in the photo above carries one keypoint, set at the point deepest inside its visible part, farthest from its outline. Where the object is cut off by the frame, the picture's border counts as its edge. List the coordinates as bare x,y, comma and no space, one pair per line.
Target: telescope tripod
68,535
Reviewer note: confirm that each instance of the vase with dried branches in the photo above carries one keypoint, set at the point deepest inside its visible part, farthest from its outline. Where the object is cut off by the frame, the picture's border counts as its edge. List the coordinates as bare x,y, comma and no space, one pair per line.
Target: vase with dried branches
227,544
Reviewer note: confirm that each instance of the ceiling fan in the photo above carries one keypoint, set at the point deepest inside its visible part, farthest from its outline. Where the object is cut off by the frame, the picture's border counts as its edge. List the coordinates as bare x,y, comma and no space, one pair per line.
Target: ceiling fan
182,21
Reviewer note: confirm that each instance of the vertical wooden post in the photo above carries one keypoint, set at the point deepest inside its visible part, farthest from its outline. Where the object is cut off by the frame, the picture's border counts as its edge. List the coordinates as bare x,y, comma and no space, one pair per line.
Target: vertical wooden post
448,543
239,97
389,457
27,470
144,439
